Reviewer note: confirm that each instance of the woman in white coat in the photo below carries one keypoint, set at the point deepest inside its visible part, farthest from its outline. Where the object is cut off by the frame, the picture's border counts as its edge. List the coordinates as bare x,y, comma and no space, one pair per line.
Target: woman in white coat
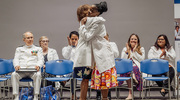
163,50
49,54
136,53
93,47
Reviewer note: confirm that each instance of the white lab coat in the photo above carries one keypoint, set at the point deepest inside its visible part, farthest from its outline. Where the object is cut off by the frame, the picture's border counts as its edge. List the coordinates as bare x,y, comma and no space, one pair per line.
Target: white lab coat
52,54
136,57
170,55
92,46
114,49
25,57
68,52
177,34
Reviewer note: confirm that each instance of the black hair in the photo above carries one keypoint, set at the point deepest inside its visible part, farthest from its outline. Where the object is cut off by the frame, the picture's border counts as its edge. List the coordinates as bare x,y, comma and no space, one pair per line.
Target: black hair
176,26
75,33
167,44
102,7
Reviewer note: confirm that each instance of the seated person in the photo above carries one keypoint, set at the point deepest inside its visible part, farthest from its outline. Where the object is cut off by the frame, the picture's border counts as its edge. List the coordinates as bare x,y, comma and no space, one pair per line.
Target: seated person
49,54
28,56
163,50
69,51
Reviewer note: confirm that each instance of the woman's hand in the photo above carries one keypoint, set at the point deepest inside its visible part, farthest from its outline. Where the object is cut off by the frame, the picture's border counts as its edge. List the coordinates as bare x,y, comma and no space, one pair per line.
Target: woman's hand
134,49
163,53
83,21
128,48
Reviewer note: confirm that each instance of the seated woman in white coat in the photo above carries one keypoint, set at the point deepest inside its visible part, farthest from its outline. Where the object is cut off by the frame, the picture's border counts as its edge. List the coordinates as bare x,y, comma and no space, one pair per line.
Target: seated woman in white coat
163,50
136,53
49,54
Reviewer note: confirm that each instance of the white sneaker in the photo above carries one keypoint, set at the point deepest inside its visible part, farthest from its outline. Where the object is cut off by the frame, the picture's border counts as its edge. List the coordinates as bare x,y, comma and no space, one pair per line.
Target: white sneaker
16,97
35,97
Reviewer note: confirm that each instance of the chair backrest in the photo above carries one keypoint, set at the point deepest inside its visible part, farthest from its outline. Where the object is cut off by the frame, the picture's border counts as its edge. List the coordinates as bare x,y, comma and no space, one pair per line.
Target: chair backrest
1,59
6,66
59,67
123,65
154,66
178,66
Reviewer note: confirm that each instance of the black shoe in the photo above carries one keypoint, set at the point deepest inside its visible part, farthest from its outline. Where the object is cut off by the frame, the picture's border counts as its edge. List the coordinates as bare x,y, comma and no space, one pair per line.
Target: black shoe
162,93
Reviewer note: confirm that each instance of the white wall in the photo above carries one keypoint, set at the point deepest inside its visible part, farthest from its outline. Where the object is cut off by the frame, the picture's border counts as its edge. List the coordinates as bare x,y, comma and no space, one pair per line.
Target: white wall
57,18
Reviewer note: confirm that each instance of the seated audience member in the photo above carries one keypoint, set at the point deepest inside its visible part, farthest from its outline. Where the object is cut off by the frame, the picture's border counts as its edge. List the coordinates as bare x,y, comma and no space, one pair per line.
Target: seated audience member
136,53
163,50
29,57
49,54
69,51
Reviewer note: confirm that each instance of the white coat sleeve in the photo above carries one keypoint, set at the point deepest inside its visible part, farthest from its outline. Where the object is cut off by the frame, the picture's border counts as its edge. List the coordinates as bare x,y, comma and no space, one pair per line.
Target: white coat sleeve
40,62
55,56
137,56
88,34
152,54
16,58
170,54
66,52
123,54
115,49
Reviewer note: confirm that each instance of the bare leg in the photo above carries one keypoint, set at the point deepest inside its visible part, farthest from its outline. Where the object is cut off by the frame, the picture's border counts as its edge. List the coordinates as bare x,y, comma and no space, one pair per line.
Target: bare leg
84,88
104,94
130,92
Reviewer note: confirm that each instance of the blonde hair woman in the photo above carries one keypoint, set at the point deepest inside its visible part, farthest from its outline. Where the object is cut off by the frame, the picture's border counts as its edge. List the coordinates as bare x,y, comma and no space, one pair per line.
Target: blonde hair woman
49,54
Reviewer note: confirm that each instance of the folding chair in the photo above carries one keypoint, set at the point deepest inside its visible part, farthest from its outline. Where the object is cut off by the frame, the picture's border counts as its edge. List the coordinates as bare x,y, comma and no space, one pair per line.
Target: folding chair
155,67
6,68
124,66
59,67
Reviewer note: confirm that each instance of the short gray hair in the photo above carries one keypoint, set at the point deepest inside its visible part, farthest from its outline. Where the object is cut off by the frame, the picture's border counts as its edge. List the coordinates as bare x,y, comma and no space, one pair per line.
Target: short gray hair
25,34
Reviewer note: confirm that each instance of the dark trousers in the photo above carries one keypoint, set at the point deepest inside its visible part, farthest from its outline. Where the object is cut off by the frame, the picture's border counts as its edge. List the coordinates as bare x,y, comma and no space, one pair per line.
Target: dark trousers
165,83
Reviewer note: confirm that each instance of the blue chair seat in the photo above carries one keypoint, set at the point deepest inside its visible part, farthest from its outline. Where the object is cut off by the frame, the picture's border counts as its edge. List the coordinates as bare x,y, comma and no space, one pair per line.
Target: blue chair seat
123,78
155,78
54,79
3,79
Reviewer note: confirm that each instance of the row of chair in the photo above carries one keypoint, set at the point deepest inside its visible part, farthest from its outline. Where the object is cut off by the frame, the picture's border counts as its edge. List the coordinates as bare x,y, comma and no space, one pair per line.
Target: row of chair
62,67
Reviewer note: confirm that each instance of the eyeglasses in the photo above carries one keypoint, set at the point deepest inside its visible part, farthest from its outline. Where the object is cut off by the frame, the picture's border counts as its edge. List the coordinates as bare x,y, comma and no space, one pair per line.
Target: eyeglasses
45,41
161,39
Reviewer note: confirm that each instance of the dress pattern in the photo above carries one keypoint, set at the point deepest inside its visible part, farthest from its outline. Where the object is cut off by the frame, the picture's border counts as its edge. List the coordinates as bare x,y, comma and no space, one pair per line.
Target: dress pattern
104,80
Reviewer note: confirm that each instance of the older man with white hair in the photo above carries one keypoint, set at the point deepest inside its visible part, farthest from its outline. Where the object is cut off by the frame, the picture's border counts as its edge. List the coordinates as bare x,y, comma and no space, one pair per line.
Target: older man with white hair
27,62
